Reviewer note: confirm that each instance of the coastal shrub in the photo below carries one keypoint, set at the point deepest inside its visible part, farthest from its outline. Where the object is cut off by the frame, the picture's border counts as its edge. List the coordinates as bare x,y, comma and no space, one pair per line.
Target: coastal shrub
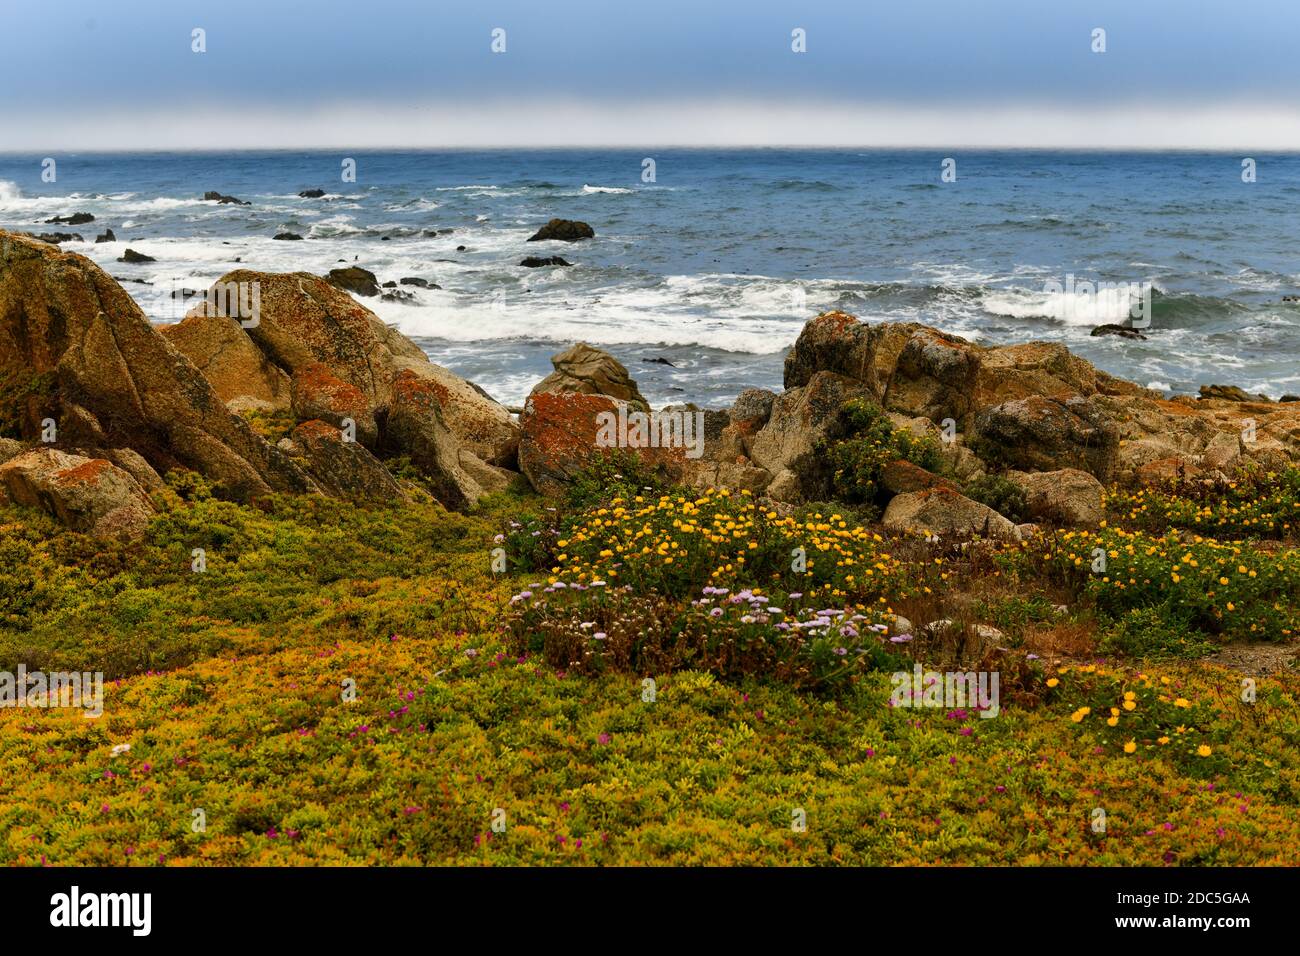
853,514
188,485
1250,505
677,544
453,717
275,574
589,629
616,473
530,541
1002,495
1219,588
847,463
1137,715
270,423
1155,633
1012,615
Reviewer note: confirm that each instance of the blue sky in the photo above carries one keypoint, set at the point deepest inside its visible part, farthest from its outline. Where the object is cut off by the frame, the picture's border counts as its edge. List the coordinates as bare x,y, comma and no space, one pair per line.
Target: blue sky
86,73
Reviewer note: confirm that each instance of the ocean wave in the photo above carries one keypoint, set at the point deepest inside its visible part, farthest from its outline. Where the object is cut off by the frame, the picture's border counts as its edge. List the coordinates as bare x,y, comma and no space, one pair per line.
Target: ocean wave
805,185
613,190
413,204
1103,307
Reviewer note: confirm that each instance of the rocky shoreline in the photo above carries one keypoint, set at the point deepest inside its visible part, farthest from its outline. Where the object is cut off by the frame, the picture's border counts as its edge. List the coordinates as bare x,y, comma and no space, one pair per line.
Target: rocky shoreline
98,403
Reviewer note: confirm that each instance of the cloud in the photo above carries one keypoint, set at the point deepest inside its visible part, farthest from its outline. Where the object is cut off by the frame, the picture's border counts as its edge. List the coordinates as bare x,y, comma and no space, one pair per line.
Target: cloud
702,122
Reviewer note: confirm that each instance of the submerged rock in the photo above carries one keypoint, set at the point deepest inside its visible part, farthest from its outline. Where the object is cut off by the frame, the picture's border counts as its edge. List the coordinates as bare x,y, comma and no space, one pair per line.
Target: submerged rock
537,262
311,194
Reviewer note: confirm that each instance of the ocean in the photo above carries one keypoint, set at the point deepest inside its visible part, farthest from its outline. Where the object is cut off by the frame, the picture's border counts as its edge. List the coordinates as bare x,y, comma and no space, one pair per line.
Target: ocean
700,279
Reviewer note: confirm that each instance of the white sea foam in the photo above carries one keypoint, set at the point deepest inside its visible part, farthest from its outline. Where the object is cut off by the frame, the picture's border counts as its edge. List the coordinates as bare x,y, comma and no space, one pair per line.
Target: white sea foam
614,190
411,205
1069,308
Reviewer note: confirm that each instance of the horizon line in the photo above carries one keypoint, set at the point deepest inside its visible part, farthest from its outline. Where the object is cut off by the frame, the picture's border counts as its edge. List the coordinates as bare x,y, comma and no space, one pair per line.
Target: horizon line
718,123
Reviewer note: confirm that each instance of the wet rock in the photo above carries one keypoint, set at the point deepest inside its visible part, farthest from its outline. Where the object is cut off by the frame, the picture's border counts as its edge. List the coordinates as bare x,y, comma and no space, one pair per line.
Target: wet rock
287,236
132,257
1123,331
354,279
213,196
311,194
564,230
419,283
76,219
537,262
1231,393
106,236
